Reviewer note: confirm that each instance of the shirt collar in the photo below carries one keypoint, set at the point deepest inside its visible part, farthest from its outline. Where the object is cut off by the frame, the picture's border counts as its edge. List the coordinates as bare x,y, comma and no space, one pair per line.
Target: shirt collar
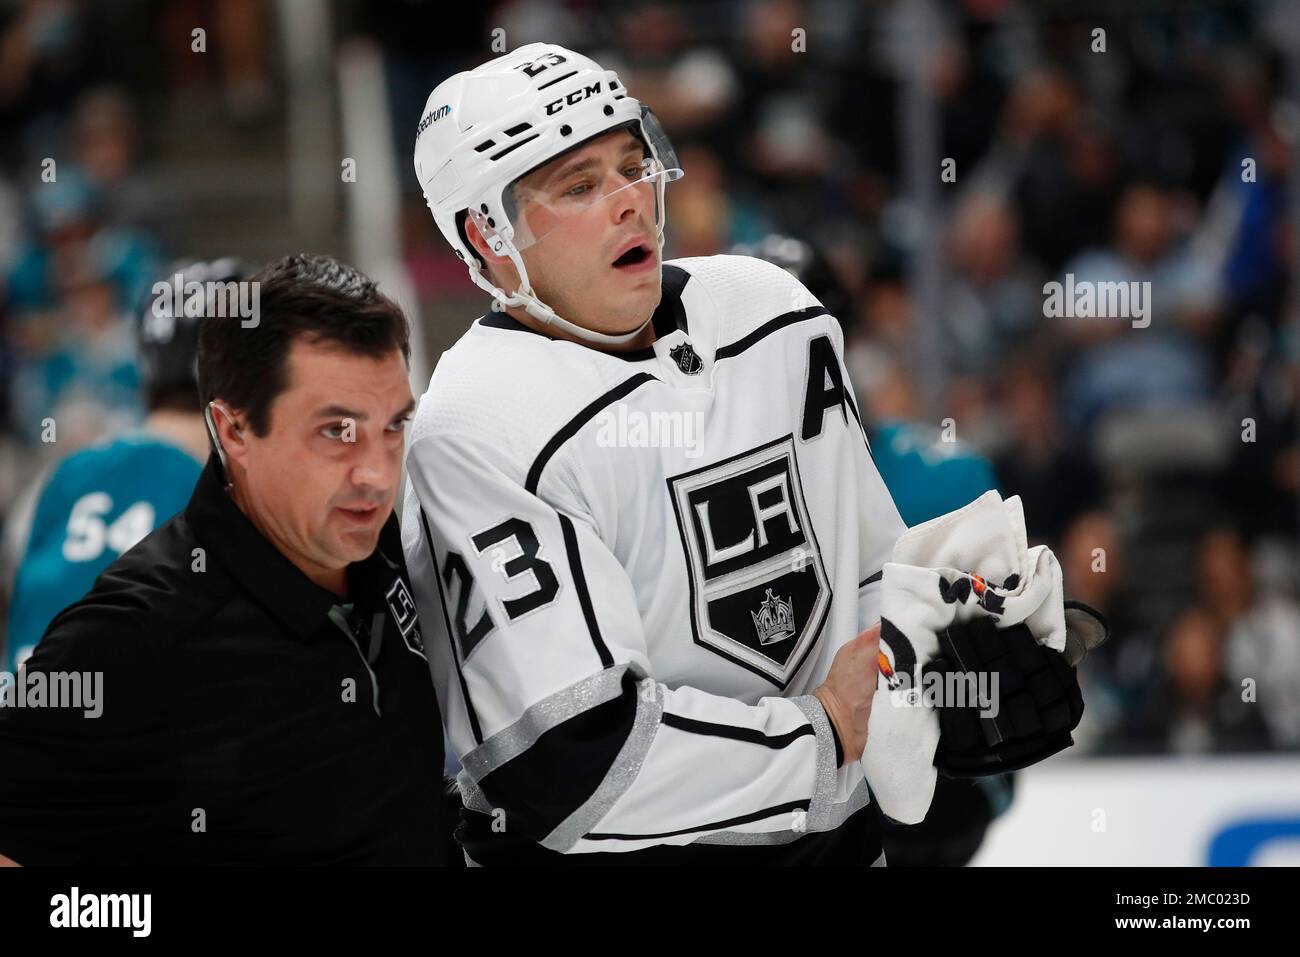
263,571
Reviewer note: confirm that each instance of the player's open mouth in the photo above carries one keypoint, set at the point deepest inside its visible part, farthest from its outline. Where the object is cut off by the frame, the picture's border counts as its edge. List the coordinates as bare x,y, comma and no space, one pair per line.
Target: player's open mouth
359,514
635,258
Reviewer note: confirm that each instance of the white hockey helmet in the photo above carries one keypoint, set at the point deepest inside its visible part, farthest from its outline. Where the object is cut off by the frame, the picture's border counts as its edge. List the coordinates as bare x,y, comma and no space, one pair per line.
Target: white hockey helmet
485,128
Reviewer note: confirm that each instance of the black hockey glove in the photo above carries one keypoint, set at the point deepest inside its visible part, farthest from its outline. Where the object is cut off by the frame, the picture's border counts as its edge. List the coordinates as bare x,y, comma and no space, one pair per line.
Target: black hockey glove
1035,702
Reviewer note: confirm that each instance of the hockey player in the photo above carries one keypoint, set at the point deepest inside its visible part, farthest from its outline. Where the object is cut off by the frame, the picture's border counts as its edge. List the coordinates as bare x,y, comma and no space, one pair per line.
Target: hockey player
640,504
101,500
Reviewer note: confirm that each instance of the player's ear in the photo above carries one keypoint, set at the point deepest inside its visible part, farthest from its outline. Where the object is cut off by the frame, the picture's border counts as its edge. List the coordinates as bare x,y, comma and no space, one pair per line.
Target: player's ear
500,269
480,244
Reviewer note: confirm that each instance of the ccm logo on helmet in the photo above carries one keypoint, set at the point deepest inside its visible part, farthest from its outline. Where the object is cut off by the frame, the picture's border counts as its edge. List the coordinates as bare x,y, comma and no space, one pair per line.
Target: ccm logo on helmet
433,116
577,96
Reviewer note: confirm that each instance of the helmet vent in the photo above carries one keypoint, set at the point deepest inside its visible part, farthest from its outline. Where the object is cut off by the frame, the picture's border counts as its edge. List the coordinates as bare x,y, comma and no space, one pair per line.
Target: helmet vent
516,130
514,146
485,145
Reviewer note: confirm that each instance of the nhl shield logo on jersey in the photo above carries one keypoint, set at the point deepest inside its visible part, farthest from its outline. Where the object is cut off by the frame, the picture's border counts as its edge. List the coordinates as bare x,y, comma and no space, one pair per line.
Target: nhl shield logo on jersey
687,360
402,608
759,591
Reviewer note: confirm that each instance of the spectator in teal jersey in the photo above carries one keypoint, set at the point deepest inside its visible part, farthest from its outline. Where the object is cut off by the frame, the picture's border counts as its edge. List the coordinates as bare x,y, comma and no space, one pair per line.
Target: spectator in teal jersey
101,500
926,475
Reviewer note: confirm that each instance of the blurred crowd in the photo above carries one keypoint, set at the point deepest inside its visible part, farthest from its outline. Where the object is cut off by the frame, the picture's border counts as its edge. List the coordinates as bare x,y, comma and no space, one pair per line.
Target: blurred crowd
85,225
1160,461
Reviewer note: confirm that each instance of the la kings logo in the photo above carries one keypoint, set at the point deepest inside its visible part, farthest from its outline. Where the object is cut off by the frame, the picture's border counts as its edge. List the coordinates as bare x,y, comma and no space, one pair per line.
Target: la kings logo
402,608
759,591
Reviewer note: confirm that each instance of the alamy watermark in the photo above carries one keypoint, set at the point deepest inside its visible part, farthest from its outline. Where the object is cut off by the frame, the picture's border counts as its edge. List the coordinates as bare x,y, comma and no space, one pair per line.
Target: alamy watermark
234,299
81,690
622,427
74,909
1085,299
946,689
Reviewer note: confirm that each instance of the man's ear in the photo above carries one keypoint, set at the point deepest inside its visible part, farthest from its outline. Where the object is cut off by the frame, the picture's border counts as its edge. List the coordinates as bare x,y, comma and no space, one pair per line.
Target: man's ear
499,268
231,429
480,245
477,241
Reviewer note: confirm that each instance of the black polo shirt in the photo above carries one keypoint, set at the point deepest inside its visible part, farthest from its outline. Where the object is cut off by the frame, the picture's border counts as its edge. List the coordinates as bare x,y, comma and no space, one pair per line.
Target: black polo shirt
249,716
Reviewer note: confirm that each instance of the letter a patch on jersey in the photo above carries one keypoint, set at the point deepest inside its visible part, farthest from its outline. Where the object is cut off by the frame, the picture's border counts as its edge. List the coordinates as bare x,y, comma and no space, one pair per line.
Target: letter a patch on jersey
759,591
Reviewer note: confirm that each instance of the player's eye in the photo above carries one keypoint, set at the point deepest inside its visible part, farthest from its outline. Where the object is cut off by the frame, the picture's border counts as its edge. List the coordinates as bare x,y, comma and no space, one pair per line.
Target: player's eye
578,189
334,431
397,425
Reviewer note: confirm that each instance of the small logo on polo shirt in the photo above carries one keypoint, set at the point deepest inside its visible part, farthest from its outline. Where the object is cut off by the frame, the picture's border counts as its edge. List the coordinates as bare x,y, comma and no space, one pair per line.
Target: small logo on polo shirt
403,611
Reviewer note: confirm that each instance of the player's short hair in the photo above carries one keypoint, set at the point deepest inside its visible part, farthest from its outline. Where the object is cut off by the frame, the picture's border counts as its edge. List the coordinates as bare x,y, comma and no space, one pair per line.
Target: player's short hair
308,296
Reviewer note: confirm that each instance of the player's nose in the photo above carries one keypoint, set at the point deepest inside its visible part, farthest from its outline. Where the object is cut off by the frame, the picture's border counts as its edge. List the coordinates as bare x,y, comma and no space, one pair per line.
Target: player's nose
633,200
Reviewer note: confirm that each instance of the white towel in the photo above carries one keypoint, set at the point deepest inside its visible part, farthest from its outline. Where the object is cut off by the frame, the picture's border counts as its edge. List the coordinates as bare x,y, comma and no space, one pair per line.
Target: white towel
970,562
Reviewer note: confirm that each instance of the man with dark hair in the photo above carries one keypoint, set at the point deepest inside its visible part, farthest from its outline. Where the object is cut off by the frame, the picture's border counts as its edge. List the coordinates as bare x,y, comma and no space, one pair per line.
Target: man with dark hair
250,680
331,353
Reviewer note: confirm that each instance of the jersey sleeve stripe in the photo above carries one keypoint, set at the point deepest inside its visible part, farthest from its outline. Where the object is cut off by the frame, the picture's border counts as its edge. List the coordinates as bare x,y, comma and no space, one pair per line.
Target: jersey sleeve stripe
551,712
839,813
584,596
749,735
621,772
570,428
785,808
824,788
767,328
853,407
543,787
451,635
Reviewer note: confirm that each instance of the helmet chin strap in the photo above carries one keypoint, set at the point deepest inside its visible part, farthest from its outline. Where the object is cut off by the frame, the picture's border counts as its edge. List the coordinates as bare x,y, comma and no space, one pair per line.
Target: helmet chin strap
535,307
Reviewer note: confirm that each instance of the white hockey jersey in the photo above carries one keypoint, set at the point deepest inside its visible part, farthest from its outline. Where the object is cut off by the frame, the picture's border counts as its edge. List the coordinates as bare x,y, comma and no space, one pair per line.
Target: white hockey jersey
634,569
